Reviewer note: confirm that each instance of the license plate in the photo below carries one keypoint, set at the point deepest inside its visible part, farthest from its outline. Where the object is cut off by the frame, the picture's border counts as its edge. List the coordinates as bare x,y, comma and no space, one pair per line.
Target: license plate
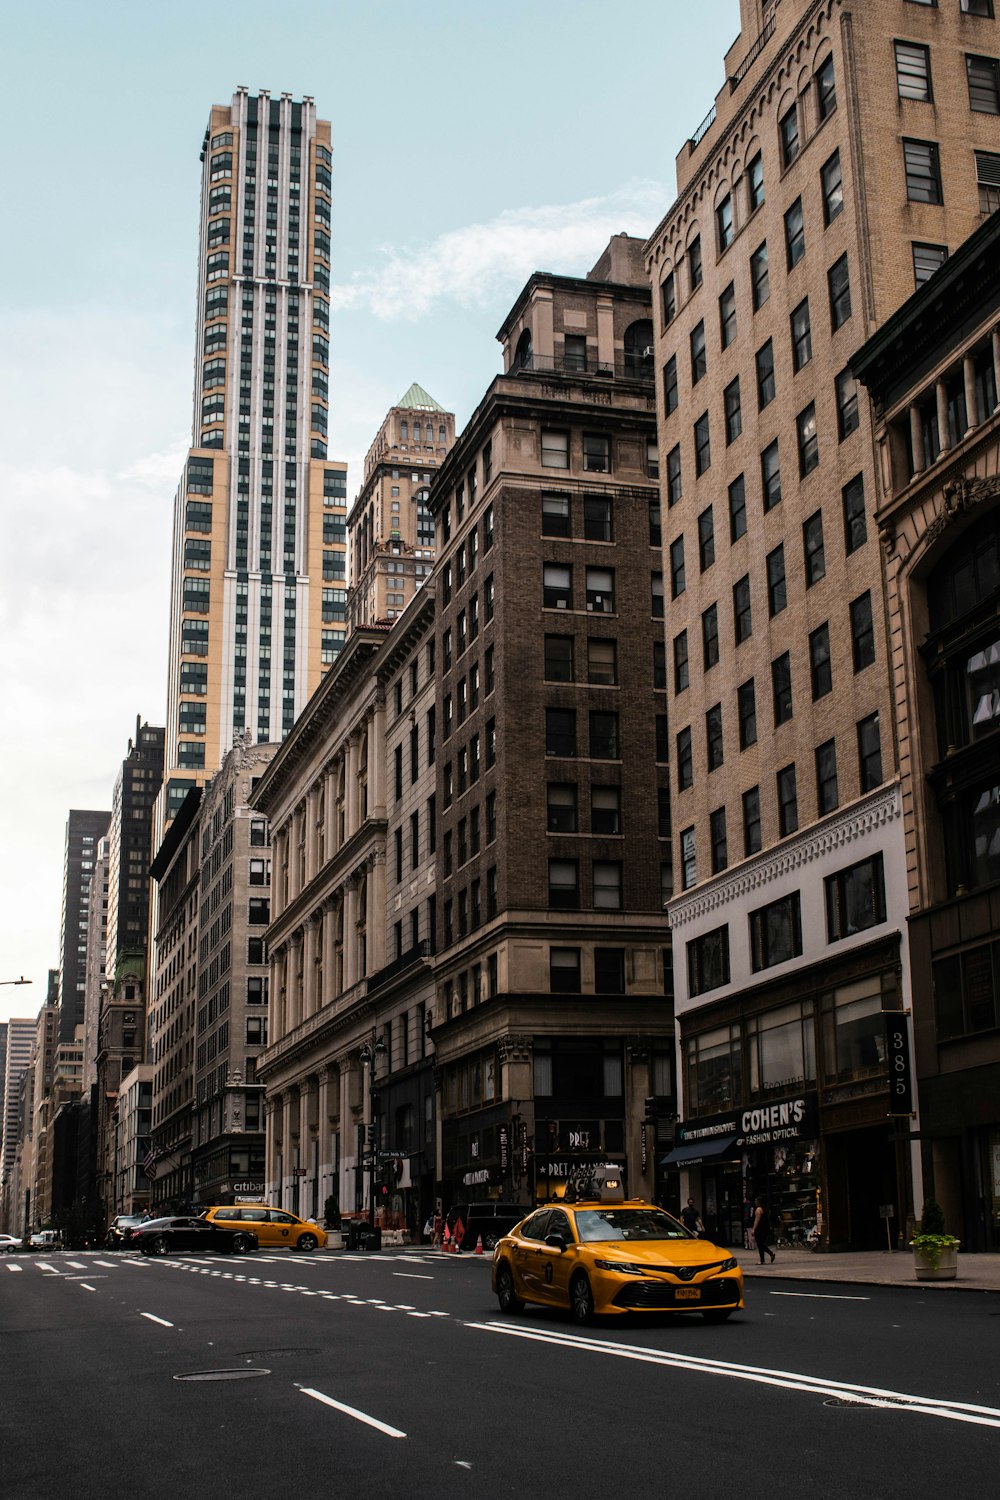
688,1294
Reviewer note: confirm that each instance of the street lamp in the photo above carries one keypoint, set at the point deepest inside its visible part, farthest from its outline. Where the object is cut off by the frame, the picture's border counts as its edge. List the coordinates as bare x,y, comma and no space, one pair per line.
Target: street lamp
22,980
369,1054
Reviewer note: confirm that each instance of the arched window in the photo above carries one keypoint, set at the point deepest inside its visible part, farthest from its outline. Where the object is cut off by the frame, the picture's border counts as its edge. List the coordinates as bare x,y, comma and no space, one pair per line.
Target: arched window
522,354
639,348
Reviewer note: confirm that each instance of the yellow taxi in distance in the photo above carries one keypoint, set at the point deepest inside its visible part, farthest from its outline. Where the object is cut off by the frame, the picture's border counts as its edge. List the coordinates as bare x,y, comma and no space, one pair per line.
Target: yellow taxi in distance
275,1228
595,1252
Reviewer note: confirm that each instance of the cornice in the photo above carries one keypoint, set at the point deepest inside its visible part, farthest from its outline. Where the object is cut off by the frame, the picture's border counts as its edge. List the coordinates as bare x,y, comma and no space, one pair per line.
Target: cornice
857,821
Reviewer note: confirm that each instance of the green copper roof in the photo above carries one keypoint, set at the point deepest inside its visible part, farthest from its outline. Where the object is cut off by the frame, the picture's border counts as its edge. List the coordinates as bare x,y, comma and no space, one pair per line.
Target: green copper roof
417,397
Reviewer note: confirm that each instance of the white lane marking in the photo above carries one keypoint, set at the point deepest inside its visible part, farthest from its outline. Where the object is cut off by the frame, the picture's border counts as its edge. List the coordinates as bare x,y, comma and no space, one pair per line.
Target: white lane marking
15,1268
86,1288
107,1264
352,1411
43,1265
154,1319
863,1395
822,1296
77,1265
139,1264
413,1275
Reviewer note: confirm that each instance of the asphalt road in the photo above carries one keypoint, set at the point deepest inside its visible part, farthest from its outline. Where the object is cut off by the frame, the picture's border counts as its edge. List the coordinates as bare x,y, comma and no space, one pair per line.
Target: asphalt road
393,1375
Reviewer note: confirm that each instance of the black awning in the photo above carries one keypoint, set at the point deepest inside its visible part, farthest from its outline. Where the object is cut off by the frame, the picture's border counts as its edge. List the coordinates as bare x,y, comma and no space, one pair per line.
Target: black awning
693,1152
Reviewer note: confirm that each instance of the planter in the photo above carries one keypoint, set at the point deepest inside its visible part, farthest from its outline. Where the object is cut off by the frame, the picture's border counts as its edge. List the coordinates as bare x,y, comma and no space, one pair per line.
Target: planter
334,1239
935,1264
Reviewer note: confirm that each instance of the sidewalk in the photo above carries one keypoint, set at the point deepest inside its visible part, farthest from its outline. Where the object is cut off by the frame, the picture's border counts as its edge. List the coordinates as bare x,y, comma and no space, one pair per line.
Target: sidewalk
976,1273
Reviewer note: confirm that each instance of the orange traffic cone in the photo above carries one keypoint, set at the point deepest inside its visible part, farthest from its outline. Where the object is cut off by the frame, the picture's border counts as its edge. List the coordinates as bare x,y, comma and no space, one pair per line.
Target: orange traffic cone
479,1245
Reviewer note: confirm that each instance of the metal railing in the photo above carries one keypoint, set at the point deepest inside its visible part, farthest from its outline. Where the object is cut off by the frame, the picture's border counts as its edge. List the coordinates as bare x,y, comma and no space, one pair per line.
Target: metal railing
630,366
752,56
703,128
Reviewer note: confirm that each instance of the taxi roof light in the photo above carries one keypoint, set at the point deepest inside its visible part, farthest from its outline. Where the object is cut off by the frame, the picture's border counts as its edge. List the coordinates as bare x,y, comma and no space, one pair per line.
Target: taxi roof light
599,1182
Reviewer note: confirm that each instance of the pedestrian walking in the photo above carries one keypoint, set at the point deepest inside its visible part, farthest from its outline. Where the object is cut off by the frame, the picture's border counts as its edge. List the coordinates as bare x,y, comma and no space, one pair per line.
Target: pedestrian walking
762,1230
691,1218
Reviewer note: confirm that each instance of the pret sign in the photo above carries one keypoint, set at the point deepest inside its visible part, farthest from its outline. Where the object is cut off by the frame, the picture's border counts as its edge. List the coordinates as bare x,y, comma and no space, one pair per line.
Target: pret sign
897,1051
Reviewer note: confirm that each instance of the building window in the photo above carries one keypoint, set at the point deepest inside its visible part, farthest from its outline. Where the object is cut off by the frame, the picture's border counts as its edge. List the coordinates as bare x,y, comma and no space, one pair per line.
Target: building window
560,731
674,475
751,821
668,298
597,518
746,705
694,263
678,581
759,280
820,667
713,737
801,336
564,971
605,810
689,862
855,523
559,658
720,849
832,183
600,584
609,971
596,453
795,234
555,450
670,396
827,793
967,992
575,351
708,961
702,445
755,182
561,807
977,8
734,419
788,806
988,180
742,613
826,89
781,687
984,84
607,887
656,595
681,677
724,223
777,597
813,549
602,661
770,474
685,761
926,260
737,509
555,515
603,735
855,899
706,539
564,884
557,586
839,283
776,932
862,632
710,636
847,404
913,71
655,525
699,356
788,135
808,440
727,316
923,171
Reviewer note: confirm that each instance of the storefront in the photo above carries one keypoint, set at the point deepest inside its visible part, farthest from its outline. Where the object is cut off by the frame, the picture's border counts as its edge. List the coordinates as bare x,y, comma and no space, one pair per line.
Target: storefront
769,1151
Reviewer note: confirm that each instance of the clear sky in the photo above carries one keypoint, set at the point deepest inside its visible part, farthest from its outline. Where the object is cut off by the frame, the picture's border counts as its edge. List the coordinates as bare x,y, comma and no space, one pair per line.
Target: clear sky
473,143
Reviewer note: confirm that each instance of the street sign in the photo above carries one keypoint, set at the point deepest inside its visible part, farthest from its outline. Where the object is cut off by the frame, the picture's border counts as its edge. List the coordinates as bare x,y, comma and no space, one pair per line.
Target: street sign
887,1210
897,1049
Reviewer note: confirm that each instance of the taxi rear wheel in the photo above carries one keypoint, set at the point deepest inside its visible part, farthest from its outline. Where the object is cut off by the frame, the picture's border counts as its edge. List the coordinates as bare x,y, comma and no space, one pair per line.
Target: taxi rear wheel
581,1299
510,1302
717,1314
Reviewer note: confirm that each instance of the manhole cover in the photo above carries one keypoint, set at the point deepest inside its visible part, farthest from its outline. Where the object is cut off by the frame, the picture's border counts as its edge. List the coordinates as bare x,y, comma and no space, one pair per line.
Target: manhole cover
274,1353
247,1373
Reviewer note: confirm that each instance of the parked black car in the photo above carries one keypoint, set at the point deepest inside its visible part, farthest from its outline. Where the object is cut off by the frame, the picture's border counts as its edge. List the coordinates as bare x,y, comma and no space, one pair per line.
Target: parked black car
168,1236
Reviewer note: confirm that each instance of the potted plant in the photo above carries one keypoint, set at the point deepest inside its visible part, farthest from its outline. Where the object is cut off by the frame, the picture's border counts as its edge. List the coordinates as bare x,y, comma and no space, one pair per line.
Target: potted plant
935,1253
331,1217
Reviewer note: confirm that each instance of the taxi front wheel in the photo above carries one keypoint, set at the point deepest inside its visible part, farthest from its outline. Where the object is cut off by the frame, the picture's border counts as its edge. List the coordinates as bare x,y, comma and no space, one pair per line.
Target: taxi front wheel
307,1242
581,1299
510,1302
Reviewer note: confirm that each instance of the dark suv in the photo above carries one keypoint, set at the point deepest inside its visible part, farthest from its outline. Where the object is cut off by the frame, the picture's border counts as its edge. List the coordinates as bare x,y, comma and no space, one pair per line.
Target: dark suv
119,1230
491,1220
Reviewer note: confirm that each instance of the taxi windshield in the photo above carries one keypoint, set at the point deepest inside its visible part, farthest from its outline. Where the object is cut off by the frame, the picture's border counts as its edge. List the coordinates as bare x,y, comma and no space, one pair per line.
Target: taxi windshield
594,1224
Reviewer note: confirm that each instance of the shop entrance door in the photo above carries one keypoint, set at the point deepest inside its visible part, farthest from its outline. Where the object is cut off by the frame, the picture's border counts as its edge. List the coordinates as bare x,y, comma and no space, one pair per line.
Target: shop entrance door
861,1178
722,1209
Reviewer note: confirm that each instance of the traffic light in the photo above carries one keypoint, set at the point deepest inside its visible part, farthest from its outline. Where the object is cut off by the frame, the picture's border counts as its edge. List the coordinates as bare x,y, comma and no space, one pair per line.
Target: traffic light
650,1111
383,1190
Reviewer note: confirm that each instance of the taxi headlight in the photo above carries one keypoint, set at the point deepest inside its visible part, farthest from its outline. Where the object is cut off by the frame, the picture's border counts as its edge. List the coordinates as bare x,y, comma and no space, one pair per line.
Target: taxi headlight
732,1264
623,1267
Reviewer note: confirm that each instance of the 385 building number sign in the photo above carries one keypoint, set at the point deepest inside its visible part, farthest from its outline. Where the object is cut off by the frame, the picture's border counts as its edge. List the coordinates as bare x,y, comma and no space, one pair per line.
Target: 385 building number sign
897,1050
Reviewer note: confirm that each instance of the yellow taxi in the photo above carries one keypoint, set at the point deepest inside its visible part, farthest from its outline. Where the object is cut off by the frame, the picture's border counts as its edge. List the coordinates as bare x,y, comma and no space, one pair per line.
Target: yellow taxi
595,1252
275,1228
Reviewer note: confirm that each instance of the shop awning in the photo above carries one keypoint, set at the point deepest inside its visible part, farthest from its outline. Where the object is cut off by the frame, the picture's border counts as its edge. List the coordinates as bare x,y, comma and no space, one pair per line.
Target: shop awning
692,1153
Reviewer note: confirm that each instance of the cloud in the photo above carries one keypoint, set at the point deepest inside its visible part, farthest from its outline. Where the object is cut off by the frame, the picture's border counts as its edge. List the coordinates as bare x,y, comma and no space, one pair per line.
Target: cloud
473,264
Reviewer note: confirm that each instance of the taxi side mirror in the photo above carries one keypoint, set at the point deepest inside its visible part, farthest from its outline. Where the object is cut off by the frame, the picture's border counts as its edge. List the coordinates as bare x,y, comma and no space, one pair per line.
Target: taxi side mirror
556,1241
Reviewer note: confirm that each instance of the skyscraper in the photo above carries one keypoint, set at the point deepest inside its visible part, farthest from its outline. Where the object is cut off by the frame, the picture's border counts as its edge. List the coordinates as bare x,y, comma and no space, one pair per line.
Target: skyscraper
84,830
260,514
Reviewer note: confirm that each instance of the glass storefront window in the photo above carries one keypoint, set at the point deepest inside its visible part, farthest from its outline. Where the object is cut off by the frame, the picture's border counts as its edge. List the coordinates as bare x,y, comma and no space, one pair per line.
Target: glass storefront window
985,820
982,681
714,1070
782,1049
853,1034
